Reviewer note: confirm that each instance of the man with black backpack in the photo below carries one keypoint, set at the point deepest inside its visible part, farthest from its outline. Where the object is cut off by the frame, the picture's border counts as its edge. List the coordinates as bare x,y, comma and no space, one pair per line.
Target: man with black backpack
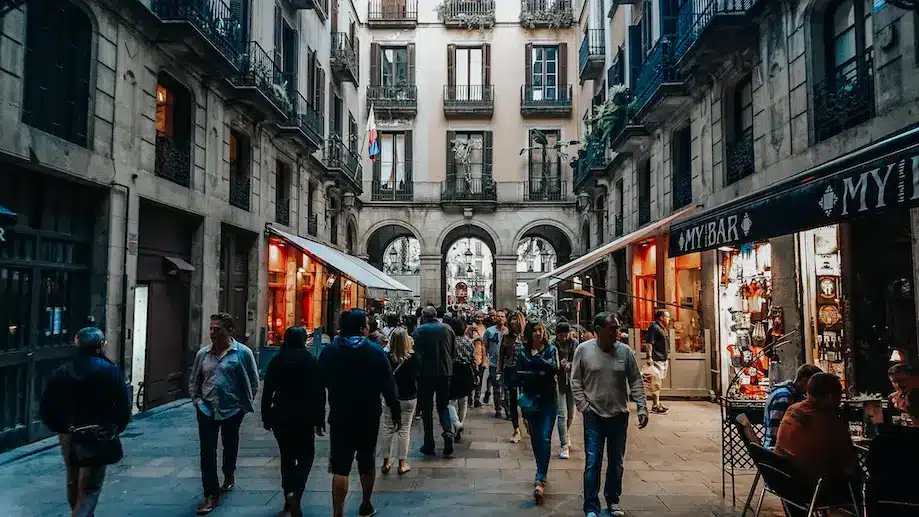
86,403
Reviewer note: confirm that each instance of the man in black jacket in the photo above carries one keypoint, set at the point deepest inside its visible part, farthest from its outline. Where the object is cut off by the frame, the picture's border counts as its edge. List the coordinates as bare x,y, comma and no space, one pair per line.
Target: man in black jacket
356,372
90,390
435,345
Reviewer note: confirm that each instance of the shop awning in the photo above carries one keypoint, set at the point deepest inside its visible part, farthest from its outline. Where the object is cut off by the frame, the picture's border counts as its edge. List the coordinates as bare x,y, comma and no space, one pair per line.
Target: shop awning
880,177
544,283
376,282
6,212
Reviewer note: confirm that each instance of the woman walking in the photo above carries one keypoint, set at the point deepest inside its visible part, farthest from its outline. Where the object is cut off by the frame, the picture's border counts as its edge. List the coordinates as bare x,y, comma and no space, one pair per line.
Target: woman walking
507,366
293,407
405,366
462,382
537,369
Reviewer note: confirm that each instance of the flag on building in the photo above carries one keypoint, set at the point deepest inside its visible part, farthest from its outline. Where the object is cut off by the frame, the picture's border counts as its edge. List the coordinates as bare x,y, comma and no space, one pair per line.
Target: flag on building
373,143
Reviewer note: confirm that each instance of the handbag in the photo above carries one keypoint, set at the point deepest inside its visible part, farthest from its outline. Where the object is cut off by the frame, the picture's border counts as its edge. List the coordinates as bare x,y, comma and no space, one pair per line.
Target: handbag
527,404
95,446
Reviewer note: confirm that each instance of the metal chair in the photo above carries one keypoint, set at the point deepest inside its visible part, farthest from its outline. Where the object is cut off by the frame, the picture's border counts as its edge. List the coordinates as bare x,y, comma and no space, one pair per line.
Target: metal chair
747,436
782,479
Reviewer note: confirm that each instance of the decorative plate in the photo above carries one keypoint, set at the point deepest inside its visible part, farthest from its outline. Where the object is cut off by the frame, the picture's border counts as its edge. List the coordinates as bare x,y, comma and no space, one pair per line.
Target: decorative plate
829,315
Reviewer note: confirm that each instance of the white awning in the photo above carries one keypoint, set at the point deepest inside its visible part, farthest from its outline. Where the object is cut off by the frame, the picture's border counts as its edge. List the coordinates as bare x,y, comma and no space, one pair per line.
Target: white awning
377,282
546,282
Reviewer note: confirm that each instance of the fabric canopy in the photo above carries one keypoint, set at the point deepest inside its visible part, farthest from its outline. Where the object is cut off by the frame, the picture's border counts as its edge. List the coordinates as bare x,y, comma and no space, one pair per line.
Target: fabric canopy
549,280
376,282
6,212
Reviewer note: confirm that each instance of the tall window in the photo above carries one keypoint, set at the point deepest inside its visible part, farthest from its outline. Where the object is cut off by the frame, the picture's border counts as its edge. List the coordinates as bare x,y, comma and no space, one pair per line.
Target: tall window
333,221
474,165
57,69
545,72
740,151
165,111
282,193
681,167
173,130
470,73
644,192
545,165
393,66
392,160
352,133
849,34
239,170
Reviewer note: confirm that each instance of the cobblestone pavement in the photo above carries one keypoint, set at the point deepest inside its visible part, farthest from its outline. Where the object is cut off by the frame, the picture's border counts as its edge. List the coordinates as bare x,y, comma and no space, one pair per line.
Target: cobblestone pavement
672,469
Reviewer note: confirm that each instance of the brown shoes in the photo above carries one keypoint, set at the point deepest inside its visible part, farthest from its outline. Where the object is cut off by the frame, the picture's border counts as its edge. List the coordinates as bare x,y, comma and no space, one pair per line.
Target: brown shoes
208,504
228,483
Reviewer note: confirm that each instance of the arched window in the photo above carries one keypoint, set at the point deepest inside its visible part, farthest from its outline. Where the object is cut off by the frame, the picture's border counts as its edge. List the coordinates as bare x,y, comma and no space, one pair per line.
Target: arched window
58,58
845,97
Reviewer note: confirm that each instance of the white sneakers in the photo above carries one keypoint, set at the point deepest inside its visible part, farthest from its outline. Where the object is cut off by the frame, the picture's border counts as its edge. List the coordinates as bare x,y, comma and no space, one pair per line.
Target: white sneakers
565,452
516,436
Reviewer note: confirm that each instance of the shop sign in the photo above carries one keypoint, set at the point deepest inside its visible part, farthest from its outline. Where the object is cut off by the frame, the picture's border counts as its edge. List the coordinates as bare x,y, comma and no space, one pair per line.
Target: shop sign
874,187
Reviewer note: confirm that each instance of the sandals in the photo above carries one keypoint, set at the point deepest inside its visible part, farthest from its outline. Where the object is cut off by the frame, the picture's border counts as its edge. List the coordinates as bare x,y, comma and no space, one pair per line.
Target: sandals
403,468
387,466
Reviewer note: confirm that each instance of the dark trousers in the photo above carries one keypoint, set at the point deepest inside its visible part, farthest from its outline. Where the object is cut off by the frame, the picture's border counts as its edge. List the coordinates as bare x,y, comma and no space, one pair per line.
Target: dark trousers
84,484
600,432
297,444
434,392
208,430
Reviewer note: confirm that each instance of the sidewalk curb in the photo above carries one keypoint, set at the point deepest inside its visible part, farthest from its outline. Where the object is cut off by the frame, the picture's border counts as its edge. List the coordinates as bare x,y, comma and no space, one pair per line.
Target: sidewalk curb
51,442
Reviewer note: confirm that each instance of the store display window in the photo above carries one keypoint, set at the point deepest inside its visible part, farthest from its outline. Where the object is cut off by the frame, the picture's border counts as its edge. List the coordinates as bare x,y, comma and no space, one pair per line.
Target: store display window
644,273
749,323
687,293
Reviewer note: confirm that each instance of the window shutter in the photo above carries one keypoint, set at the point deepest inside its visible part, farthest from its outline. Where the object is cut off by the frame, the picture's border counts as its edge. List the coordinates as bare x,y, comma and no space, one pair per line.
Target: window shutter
451,157
486,154
311,80
563,68
375,57
410,57
278,37
486,58
636,52
528,63
334,17
451,66
322,110
408,158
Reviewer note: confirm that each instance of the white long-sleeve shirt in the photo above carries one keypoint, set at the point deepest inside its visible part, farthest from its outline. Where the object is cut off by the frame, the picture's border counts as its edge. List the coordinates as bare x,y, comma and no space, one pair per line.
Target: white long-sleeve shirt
602,381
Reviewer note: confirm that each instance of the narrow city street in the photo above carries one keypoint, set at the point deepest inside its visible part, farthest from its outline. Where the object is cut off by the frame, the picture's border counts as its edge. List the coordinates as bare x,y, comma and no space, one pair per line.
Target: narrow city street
672,469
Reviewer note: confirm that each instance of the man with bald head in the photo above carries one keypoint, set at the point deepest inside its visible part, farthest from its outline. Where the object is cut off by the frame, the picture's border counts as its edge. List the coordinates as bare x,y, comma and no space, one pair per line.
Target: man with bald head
435,345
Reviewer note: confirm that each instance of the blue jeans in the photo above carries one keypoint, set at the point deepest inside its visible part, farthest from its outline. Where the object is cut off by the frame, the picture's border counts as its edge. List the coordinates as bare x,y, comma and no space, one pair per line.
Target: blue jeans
540,427
600,432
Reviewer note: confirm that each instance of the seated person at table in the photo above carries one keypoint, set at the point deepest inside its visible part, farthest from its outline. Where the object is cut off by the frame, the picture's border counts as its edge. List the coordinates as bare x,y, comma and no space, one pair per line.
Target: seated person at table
892,475
781,397
813,434
904,378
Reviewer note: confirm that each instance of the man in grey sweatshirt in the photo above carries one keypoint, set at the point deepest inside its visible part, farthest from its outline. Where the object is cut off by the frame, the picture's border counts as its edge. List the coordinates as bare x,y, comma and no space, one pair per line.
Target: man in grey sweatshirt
604,373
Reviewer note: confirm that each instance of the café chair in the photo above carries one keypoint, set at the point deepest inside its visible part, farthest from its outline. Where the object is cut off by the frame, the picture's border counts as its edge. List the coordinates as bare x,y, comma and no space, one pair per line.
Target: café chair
747,436
782,479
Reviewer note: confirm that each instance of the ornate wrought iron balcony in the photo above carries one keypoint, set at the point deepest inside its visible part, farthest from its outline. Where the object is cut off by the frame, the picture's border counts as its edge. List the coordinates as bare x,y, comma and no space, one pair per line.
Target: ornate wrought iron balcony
345,58
592,55
467,14
546,14
282,211
394,14
208,28
545,189
303,123
172,160
240,185
644,210
740,162
469,101
399,101
658,87
618,225
457,189
546,101
261,84
846,99
389,191
708,30
342,160
682,188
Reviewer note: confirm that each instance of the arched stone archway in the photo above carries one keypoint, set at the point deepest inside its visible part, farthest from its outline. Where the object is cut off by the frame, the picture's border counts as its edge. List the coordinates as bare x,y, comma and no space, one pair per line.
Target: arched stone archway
557,237
381,237
456,234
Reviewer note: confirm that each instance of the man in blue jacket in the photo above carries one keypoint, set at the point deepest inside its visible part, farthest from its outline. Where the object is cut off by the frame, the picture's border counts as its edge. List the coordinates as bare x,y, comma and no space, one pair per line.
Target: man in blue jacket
435,345
356,373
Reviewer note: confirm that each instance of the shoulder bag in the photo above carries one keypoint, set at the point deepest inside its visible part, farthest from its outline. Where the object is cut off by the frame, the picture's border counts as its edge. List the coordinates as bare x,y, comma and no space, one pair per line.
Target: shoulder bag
95,446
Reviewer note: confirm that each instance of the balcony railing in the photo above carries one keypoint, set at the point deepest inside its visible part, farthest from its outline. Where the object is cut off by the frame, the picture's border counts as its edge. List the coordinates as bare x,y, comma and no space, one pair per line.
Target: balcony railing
239,189
470,14
345,56
339,156
305,119
616,72
312,225
618,225
387,12
211,18
740,162
472,189
403,97
845,99
546,14
696,15
546,100
657,69
282,211
465,97
644,210
545,189
391,192
172,160
592,54
682,188
258,70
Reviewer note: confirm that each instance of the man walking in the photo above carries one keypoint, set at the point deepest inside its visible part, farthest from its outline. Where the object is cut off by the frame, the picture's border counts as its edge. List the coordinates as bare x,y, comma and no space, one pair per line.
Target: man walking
223,383
566,345
493,337
604,373
435,344
658,344
356,373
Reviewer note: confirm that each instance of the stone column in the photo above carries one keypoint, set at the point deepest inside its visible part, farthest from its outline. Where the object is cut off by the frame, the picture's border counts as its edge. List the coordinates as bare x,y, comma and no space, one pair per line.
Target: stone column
785,295
505,281
431,277
205,280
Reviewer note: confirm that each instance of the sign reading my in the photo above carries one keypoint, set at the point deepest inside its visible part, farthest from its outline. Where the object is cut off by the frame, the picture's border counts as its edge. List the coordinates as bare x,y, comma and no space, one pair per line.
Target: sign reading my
892,182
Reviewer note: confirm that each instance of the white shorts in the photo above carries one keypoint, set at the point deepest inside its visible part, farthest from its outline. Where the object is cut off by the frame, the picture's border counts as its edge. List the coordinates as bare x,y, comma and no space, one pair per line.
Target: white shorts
662,366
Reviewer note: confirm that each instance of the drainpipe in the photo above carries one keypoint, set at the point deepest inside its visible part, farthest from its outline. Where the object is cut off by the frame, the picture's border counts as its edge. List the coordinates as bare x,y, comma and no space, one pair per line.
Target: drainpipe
122,342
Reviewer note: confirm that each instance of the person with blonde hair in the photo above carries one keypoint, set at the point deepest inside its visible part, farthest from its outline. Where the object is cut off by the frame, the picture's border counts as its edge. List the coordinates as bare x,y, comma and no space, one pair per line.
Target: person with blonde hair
405,366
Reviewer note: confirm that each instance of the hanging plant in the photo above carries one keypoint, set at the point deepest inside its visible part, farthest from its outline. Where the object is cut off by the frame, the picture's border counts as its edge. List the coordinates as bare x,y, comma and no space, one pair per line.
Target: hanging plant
450,11
280,93
609,115
556,16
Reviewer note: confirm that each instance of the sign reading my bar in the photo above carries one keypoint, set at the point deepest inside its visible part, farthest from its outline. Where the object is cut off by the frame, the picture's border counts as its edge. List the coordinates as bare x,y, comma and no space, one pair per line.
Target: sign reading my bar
883,184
